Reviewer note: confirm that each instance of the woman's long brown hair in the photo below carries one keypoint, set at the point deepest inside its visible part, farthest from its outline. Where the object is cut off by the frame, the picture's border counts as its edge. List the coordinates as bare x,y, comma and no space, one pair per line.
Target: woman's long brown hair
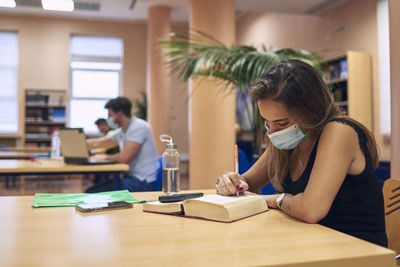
308,101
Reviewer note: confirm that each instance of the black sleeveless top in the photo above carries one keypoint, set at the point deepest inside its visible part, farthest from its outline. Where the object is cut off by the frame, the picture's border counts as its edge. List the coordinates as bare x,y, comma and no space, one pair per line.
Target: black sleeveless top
358,207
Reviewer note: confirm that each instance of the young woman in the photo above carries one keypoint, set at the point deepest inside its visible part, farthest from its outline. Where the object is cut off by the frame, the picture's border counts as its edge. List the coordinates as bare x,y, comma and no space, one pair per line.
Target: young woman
322,162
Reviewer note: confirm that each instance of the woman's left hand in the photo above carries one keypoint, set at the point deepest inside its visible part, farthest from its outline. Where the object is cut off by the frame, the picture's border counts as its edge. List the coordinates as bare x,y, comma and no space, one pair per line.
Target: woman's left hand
271,200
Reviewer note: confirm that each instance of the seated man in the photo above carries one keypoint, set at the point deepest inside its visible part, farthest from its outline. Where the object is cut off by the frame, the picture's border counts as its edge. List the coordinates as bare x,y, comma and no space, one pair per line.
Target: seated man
106,130
137,148
102,126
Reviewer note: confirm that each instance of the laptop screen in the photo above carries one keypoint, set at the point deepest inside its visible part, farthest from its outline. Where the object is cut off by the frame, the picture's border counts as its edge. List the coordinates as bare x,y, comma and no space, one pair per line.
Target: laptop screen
73,143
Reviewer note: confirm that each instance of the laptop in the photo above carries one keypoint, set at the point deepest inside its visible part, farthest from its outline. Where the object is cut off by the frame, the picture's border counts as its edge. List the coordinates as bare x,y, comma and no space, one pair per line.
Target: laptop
74,148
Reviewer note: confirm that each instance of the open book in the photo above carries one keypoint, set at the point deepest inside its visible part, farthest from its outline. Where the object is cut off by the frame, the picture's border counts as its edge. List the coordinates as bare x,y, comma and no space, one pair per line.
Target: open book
212,207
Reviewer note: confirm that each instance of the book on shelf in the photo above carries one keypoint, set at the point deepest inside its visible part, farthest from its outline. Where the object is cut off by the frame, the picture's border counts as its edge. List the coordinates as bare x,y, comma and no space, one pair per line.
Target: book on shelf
56,99
35,145
45,98
35,98
335,70
37,135
212,207
343,68
33,115
58,115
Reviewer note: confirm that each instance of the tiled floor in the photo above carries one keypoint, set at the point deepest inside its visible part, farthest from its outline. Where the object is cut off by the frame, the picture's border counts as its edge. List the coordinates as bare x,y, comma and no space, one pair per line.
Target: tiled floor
30,185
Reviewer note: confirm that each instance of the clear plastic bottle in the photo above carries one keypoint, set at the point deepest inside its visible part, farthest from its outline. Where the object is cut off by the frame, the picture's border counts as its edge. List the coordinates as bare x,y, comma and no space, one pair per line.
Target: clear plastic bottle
170,159
55,146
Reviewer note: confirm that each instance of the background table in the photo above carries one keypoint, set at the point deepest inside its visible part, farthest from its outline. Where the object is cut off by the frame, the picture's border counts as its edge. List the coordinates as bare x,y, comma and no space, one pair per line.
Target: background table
15,155
26,149
16,168
131,237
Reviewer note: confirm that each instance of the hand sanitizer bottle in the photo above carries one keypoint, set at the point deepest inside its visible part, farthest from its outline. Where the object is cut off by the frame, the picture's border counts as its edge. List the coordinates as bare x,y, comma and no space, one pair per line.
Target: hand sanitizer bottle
170,165
55,146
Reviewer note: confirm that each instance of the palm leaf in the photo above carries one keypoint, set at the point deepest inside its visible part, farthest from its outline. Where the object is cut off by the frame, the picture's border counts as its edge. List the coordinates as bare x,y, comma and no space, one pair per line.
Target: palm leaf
198,54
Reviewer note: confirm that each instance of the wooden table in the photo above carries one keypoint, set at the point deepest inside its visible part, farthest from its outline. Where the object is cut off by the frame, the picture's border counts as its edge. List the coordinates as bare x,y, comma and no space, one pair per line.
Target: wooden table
26,149
131,237
15,155
15,168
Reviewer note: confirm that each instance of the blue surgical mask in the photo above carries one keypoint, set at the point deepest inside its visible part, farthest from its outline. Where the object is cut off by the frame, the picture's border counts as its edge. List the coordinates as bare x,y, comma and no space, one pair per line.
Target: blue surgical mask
111,123
287,138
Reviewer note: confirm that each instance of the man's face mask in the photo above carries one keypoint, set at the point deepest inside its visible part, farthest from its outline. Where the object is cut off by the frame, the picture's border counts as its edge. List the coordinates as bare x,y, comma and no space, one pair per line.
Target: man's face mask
287,138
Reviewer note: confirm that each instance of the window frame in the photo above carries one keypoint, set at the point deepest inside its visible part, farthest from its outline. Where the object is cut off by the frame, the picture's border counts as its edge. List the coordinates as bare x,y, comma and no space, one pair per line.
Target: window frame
93,59
15,70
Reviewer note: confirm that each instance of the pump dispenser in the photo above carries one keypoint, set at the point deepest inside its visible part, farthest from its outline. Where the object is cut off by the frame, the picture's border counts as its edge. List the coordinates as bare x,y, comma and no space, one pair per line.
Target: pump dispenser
55,146
170,162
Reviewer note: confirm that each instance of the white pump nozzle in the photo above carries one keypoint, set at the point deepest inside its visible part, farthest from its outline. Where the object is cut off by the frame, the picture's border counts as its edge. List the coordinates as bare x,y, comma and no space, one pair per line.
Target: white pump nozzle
168,139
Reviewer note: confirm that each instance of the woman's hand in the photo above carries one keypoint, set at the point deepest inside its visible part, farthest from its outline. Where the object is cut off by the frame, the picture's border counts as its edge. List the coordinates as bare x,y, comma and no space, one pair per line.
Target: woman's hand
230,183
271,200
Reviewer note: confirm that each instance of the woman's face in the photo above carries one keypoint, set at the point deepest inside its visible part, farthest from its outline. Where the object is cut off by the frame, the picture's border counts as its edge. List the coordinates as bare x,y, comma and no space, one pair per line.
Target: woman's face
275,115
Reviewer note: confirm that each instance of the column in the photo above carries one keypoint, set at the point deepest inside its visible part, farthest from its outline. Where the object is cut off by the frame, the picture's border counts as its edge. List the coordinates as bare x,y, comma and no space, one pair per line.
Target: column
394,29
211,110
158,75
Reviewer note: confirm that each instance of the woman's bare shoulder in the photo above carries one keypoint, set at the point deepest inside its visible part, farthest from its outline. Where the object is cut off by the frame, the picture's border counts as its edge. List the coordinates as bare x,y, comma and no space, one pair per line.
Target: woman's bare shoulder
339,134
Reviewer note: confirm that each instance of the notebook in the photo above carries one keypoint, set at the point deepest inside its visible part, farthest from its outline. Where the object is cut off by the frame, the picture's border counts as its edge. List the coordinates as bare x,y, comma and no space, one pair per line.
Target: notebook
69,200
74,148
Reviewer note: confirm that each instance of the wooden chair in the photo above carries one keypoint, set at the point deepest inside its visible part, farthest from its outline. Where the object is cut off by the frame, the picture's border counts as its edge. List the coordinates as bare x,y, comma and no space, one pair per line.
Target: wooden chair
391,194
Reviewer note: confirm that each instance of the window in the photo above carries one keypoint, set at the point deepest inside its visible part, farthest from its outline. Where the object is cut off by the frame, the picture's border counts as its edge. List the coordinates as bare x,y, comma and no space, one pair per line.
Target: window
384,66
96,65
9,82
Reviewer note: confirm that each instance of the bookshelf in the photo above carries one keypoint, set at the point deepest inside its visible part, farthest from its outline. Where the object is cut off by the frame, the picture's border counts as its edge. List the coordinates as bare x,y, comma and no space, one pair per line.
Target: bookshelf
349,77
44,113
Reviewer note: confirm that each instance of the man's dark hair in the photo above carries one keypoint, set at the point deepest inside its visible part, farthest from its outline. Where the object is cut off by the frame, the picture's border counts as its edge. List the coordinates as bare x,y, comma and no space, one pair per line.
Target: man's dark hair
100,121
122,104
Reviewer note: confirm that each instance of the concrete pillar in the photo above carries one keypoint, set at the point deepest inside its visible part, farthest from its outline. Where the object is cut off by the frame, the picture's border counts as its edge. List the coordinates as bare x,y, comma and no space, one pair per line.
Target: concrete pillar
158,75
211,110
394,29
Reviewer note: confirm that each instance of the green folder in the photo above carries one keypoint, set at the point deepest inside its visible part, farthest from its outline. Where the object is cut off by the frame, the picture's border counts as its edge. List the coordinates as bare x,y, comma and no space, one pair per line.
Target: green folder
69,200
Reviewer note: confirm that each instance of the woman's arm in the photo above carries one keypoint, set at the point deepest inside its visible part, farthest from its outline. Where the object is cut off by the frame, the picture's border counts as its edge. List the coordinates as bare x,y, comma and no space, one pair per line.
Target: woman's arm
229,183
338,153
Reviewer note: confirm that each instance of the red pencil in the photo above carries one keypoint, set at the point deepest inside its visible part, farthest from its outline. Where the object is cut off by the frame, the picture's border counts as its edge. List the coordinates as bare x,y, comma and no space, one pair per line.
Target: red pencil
237,164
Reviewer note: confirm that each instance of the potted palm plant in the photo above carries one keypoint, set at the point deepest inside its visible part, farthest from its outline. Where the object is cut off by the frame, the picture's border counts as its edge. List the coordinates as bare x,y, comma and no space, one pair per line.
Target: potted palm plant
141,106
236,67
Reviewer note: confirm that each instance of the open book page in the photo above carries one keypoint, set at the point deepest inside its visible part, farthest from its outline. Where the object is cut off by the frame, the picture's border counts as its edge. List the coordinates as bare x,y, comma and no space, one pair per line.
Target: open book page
157,206
218,199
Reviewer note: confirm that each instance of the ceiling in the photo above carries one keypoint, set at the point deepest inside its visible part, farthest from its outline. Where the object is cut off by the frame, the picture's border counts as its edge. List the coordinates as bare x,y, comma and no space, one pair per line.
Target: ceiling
136,10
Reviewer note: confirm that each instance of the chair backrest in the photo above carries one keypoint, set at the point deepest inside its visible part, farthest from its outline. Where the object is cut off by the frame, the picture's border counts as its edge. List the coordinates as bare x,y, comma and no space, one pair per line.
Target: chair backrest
391,194
268,189
383,171
158,183
244,163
